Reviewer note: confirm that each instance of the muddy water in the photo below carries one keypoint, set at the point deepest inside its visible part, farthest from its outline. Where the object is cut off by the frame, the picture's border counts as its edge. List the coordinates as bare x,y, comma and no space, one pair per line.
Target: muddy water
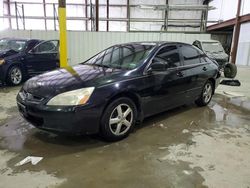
166,150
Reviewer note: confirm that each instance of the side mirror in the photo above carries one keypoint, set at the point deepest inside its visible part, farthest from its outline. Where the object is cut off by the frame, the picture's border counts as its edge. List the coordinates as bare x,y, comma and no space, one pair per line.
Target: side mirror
158,66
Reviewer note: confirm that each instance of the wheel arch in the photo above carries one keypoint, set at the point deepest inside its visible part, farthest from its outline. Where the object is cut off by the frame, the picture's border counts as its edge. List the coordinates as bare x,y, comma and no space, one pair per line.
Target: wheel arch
132,96
213,82
12,65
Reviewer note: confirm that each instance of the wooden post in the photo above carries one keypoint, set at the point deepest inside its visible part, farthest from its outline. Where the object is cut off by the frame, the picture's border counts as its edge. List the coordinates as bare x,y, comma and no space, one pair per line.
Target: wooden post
236,34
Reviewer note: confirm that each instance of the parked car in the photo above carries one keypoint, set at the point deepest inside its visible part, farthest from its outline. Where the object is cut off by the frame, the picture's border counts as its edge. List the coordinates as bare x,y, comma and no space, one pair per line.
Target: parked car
123,84
214,50
21,59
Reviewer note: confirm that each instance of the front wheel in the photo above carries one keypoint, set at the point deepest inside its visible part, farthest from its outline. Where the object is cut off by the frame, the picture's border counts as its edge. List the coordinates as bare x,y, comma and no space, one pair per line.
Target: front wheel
118,119
206,95
14,75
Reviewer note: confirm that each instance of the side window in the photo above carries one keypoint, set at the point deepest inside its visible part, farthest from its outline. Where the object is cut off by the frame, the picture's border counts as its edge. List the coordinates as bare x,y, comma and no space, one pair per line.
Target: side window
47,47
190,55
169,55
202,56
30,44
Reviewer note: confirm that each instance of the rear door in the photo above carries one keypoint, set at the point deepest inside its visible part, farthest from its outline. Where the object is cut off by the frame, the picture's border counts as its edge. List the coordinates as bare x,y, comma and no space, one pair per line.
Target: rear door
194,70
165,89
43,57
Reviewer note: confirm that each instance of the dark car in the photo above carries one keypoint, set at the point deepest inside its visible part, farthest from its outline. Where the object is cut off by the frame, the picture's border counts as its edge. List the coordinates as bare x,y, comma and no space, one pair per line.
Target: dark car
123,84
21,59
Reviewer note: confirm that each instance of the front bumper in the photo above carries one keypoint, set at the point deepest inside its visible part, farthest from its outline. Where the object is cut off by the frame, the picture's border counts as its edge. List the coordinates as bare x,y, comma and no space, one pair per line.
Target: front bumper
221,62
217,79
217,82
2,75
69,120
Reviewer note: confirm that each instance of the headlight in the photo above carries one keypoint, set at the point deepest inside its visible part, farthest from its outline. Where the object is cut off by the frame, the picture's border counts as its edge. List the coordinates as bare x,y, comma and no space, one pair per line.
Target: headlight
72,98
2,61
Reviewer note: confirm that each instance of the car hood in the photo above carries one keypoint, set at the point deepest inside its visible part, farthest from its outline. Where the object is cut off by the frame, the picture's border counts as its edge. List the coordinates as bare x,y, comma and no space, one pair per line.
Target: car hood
70,78
221,56
7,53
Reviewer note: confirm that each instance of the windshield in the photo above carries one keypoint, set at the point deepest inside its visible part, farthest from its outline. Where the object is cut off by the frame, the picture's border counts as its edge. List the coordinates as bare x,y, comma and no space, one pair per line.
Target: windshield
128,56
6,44
212,47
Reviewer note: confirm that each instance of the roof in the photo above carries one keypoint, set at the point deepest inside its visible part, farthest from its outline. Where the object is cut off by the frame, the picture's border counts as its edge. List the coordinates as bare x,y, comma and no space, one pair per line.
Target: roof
208,40
22,39
155,43
228,23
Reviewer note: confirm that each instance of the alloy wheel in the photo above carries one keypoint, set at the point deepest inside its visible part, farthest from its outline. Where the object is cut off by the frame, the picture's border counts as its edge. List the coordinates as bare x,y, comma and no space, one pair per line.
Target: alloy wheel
121,119
207,93
16,75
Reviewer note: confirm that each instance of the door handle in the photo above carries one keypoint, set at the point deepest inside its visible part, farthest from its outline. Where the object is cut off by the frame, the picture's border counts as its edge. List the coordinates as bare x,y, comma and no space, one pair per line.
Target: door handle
180,74
204,68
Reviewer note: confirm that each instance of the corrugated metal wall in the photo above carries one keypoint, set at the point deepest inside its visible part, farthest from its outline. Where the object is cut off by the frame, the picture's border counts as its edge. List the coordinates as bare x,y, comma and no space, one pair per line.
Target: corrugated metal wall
83,45
243,52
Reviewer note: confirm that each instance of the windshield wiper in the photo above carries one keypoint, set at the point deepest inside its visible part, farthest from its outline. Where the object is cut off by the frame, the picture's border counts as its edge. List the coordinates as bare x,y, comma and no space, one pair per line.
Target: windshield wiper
99,65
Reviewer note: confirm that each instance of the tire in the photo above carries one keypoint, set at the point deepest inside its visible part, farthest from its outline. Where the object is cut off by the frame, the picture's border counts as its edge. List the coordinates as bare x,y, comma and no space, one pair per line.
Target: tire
14,75
121,124
230,70
206,94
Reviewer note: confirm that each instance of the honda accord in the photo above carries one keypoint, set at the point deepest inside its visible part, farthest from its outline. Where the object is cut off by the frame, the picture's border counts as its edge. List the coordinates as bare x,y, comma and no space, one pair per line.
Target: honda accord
122,84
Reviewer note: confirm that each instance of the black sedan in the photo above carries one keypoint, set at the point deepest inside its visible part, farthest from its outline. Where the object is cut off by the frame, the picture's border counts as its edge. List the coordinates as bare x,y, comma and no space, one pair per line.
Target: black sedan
24,58
123,84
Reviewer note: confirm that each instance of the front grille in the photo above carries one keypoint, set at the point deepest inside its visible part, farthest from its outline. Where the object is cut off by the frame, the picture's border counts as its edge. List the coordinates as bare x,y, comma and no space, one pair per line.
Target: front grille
25,96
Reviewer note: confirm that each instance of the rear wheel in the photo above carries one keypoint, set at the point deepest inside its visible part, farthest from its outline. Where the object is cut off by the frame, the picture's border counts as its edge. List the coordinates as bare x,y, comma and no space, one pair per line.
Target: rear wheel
118,119
15,75
206,95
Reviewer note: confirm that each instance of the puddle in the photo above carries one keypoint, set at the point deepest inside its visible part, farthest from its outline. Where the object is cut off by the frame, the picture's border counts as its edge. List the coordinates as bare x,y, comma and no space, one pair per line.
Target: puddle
133,162
218,153
27,179
13,134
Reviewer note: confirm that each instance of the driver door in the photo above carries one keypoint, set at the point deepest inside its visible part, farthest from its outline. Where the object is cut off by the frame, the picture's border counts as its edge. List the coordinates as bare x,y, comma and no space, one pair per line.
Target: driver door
43,57
165,88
